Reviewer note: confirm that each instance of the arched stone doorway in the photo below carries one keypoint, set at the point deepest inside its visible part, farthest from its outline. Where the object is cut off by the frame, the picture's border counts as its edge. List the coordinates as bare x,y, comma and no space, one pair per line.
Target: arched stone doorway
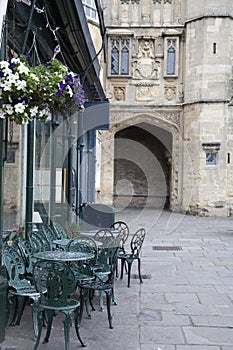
142,166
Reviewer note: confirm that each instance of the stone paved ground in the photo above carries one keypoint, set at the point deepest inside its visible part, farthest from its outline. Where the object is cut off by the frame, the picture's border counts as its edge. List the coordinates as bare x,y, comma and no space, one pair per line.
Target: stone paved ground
184,303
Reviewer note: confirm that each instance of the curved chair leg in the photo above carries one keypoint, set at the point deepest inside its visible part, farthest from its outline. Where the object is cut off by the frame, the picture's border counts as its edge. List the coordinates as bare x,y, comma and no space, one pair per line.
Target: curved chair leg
91,296
39,324
139,270
122,267
108,297
67,324
130,262
12,307
76,324
50,314
20,307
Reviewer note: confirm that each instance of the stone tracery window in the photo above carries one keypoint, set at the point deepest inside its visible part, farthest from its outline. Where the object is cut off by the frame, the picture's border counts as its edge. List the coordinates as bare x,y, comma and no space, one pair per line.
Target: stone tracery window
171,56
119,56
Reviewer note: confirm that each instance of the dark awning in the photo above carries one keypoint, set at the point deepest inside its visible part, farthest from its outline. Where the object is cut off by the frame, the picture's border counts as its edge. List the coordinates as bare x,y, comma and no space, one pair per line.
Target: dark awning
96,116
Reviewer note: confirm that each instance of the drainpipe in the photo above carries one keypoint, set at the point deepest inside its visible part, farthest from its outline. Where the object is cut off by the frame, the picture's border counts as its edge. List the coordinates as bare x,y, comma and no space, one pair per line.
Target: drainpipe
53,126
30,146
3,280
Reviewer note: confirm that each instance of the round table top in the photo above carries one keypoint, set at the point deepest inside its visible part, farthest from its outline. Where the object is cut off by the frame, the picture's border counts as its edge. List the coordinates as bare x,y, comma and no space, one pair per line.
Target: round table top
58,255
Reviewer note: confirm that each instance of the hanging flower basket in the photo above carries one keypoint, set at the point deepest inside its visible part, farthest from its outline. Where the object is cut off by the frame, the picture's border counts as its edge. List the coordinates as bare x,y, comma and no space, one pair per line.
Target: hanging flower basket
28,93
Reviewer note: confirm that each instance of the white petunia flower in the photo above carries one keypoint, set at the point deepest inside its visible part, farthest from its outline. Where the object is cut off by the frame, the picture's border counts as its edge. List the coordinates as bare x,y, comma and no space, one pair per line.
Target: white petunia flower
8,109
2,114
15,60
20,107
21,85
23,69
4,64
7,86
34,111
34,77
7,71
12,78
70,91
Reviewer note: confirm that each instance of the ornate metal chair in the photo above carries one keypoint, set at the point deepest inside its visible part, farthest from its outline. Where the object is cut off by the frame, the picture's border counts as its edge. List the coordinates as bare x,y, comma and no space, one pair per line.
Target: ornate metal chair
58,230
25,249
19,288
103,235
38,241
104,282
123,229
59,280
84,271
136,246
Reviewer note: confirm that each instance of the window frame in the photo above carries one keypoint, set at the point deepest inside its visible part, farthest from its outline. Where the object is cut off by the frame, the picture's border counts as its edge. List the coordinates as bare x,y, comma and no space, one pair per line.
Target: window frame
121,38
92,8
176,56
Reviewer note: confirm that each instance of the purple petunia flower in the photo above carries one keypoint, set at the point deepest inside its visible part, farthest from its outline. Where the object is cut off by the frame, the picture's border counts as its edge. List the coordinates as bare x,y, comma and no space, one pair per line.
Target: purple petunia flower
59,93
62,85
24,99
1,74
11,65
69,78
28,56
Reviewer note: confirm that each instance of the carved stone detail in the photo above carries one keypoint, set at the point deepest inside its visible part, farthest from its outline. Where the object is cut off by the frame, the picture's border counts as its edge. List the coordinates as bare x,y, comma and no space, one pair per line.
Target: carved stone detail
119,93
170,92
173,117
145,66
144,93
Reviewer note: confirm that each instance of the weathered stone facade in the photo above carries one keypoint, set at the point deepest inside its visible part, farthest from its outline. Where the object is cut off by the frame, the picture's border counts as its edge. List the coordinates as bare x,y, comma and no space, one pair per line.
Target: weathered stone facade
169,74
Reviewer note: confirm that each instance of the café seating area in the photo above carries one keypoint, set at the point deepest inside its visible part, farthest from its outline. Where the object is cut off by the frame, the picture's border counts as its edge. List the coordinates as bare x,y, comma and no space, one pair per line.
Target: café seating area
57,274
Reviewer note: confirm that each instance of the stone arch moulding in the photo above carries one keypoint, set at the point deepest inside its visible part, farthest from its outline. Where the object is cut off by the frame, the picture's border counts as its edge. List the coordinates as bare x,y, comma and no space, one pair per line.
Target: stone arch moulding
169,121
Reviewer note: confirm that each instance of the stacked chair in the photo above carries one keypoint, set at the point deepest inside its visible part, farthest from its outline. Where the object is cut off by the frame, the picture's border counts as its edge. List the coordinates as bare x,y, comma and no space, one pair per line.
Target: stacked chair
19,287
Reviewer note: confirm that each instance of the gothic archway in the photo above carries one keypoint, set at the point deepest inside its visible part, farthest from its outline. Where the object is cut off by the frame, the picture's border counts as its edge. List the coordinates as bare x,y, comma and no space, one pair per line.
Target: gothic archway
142,167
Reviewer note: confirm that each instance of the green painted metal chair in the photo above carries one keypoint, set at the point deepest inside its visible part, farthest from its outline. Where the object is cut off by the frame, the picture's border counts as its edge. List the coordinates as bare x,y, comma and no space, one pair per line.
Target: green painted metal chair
25,249
84,271
104,282
123,229
38,241
60,283
19,288
103,235
58,230
129,257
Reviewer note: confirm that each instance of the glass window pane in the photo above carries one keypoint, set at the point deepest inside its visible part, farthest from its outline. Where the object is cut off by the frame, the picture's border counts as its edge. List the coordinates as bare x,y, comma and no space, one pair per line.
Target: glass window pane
125,61
115,61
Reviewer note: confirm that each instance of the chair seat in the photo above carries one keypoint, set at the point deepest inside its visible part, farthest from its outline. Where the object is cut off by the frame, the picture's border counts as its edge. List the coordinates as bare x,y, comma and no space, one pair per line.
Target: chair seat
71,305
97,285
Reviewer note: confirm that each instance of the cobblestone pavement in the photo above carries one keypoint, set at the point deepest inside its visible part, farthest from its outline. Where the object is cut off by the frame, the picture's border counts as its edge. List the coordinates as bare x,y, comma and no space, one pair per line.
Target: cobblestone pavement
184,303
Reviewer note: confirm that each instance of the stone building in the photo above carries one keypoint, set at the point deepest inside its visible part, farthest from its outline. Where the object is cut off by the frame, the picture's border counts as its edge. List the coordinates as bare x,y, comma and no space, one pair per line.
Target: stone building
169,80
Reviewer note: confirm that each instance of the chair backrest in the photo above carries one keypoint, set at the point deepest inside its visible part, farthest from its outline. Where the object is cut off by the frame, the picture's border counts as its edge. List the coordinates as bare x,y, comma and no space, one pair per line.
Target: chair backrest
103,235
107,253
123,229
26,252
14,265
55,277
38,241
83,244
137,241
58,230
48,232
